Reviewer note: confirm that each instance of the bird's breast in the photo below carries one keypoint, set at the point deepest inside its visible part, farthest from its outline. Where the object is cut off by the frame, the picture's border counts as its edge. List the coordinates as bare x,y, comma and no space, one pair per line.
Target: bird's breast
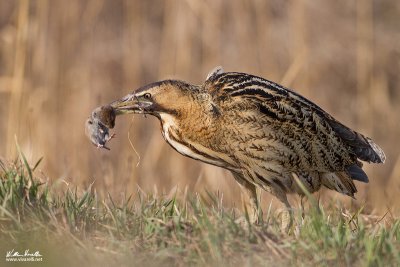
171,133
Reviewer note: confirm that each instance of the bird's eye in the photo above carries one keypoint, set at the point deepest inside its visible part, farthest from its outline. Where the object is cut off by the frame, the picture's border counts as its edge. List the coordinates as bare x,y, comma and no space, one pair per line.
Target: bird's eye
147,95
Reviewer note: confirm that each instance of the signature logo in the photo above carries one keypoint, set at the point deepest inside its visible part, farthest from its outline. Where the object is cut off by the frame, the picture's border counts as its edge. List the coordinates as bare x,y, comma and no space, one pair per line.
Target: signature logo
27,255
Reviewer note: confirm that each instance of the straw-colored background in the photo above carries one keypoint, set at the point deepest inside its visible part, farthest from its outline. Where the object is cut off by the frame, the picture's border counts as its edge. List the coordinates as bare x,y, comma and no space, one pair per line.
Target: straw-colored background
61,59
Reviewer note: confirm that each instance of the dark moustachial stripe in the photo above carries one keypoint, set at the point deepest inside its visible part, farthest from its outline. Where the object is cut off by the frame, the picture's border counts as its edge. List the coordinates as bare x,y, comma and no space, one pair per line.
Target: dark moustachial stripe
193,149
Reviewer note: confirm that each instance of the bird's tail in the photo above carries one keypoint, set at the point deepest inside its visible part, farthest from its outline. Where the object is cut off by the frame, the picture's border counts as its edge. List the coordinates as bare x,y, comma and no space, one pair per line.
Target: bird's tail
377,154
343,181
356,173
340,182
363,147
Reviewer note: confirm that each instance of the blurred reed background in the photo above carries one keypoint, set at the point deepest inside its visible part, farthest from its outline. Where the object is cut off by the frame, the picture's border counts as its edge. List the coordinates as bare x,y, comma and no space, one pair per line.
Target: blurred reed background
61,59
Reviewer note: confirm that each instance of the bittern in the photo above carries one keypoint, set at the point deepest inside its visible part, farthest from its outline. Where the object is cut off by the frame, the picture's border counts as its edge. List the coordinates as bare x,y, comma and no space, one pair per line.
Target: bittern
265,134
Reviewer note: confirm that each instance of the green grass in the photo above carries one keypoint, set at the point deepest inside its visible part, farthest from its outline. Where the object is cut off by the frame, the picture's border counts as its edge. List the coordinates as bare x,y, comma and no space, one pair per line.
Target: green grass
80,229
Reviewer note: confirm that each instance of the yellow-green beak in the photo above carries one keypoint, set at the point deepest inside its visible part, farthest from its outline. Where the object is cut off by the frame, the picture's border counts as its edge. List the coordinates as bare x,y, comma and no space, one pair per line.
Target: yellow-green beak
131,104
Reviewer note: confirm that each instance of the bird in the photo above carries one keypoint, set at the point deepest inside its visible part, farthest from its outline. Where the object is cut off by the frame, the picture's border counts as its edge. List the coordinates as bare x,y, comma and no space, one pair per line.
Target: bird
98,124
265,134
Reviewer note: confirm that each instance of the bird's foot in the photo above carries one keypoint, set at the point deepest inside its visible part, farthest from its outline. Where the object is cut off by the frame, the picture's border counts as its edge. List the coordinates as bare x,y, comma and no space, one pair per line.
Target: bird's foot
250,217
286,217
245,221
253,216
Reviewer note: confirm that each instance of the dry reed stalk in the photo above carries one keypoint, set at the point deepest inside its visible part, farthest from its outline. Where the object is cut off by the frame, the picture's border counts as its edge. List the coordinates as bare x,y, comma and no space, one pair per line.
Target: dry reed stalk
300,48
168,39
133,30
365,62
14,112
4,85
263,25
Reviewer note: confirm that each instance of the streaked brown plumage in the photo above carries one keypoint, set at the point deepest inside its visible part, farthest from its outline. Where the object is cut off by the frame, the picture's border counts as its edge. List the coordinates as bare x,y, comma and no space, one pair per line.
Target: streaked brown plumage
264,133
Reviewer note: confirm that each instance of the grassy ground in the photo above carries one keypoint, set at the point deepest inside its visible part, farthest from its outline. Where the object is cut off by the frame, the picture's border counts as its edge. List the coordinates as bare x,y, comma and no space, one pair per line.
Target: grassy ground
80,229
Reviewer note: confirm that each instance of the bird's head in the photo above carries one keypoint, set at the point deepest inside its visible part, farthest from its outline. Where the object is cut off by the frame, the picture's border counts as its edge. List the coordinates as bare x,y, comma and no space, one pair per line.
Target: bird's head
169,96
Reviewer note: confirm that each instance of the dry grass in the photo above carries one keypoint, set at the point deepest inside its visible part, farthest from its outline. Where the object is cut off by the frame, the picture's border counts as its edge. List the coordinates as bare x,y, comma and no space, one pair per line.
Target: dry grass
60,59
76,228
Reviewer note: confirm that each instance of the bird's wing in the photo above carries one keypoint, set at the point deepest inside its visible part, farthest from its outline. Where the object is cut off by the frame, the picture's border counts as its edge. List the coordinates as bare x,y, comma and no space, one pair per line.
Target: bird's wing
314,130
214,72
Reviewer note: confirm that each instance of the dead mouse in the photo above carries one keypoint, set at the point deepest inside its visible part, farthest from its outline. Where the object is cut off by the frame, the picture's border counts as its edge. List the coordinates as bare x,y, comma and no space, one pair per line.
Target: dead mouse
97,132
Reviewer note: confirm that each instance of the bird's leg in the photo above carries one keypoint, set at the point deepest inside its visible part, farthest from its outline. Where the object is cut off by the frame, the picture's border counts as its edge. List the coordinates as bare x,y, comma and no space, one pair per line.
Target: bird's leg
287,214
287,218
253,208
302,205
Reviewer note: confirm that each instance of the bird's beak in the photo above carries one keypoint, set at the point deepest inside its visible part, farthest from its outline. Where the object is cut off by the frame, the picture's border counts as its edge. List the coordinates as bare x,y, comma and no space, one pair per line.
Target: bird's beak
131,104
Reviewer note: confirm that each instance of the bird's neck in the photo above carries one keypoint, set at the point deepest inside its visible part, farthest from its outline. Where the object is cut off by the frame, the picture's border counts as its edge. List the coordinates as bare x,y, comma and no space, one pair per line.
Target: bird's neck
190,138
189,125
